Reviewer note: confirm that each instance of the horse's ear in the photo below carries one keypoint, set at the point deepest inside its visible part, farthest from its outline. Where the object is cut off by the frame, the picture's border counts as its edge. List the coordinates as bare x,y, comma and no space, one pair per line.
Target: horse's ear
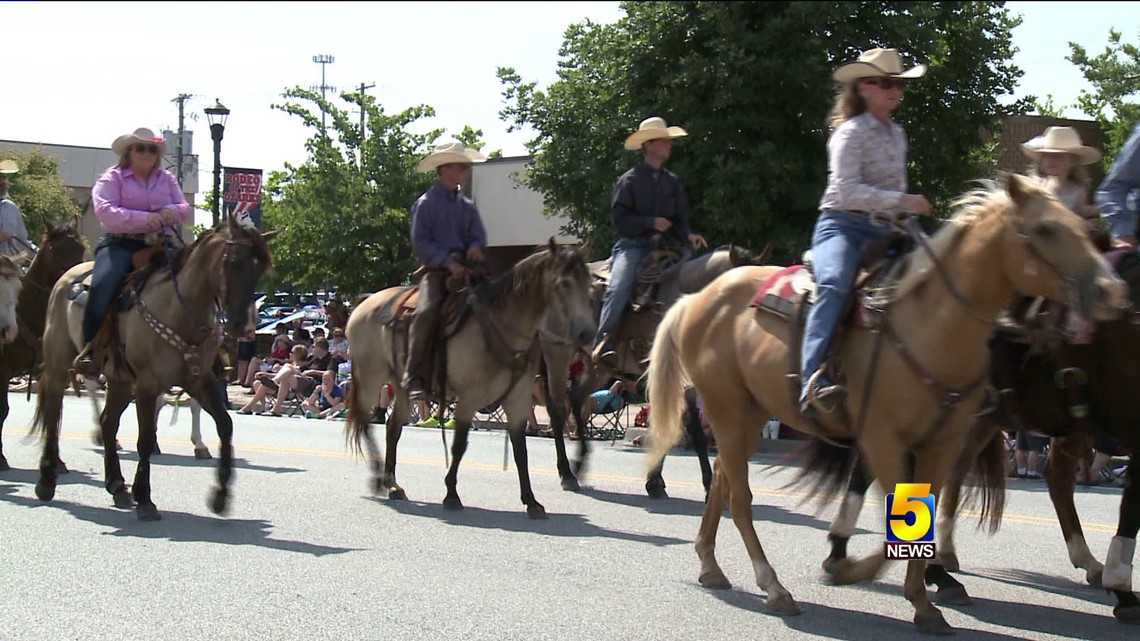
734,255
270,234
584,248
75,222
1017,189
552,246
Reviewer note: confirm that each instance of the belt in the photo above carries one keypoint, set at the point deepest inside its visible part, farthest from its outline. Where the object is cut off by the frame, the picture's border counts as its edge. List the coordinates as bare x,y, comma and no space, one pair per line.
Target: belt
125,236
874,217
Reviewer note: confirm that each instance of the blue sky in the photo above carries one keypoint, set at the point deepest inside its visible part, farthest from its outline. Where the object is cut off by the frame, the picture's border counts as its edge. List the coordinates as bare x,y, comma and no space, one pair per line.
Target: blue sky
107,68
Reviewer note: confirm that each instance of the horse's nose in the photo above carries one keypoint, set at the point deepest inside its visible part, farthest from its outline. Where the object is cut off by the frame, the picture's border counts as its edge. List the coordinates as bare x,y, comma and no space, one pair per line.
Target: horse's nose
10,332
585,335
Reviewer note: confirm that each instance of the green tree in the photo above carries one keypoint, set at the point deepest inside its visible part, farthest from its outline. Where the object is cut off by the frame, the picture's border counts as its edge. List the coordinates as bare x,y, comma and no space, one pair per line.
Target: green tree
343,214
1047,108
751,82
39,191
1115,77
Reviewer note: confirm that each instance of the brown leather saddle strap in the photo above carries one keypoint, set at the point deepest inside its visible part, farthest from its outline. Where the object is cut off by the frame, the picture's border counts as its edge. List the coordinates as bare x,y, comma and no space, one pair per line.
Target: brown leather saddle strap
1070,379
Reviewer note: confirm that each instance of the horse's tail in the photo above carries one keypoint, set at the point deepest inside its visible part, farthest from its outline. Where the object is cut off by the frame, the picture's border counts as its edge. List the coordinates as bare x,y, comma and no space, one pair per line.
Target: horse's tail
984,480
825,467
358,414
666,379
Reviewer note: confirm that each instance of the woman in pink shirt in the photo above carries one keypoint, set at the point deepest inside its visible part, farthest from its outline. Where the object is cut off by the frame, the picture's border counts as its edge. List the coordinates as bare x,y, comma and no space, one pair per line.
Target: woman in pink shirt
133,199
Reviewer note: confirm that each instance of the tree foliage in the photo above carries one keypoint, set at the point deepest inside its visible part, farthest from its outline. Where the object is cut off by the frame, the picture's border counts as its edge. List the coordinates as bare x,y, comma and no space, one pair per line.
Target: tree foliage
751,82
343,214
39,191
1115,77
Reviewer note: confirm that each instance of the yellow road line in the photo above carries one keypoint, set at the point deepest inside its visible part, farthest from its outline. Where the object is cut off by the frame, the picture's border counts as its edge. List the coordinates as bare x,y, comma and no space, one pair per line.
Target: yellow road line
1031,519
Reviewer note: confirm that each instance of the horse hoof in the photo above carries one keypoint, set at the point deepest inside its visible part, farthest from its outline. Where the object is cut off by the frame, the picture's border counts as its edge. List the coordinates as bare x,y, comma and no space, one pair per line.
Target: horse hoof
148,512
715,580
45,492
397,494
657,493
4,464
1095,576
953,595
570,484
123,500
156,451
61,468
932,622
452,503
219,502
202,453
1129,614
950,562
536,512
783,604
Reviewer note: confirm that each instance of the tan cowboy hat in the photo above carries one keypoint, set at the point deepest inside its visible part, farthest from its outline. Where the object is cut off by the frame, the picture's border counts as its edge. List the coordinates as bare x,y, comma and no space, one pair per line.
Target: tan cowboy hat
8,167
652,129
142,134
876,63
1061,140
447,152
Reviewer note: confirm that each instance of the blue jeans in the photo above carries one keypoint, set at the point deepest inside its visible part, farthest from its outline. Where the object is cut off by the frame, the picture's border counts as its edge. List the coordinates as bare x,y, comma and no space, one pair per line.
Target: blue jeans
628,253
836,247
112,264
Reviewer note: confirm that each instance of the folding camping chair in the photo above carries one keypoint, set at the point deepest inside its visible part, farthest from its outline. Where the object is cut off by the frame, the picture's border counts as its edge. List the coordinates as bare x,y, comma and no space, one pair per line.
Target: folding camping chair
609,420
490,417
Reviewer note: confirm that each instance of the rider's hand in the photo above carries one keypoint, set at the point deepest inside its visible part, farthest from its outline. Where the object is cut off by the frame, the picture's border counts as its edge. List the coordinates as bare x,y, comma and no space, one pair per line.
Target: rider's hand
915,204
456,269
474,254
154,220
662,224
698,242
169,215
5,236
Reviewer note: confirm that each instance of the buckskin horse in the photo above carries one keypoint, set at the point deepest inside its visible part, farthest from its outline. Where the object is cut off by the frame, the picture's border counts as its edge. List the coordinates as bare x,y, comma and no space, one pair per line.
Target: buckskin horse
165,334
1066,389
684,274
488,354
60,248
911,395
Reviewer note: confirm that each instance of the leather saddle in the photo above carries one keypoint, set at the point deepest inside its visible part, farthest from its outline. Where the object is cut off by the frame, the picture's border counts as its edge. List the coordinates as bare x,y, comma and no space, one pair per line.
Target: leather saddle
654,269
145,262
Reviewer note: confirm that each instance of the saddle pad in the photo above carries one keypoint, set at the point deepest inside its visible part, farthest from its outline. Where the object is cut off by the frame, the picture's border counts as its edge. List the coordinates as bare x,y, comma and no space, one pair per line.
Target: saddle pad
399,304
787,284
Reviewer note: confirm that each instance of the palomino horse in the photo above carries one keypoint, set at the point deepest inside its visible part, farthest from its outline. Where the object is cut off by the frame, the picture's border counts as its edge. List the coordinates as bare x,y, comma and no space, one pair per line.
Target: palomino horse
632,338
169,336
60,248
920,396
551,282
1067,391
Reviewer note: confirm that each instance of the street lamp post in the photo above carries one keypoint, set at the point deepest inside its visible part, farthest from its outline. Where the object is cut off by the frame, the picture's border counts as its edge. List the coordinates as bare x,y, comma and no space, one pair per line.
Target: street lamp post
216,116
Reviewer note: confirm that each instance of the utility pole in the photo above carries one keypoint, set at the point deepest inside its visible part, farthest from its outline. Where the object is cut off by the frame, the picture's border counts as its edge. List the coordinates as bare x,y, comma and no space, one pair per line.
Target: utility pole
363,133
181,100
323,60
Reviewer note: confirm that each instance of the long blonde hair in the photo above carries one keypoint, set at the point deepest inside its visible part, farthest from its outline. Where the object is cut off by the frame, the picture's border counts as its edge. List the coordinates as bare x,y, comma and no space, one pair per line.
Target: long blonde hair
848,104
1078,173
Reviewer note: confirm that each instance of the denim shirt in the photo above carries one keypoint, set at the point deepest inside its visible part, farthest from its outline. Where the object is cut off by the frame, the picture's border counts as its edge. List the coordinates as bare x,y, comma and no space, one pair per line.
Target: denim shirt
1121,181
444,220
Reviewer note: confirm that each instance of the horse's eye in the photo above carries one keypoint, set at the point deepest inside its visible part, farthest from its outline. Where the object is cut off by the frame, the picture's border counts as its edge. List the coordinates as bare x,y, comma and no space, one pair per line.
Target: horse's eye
1045,231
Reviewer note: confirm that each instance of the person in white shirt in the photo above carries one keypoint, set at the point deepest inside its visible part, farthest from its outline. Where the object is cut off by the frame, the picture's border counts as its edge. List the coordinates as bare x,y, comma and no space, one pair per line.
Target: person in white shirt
13,233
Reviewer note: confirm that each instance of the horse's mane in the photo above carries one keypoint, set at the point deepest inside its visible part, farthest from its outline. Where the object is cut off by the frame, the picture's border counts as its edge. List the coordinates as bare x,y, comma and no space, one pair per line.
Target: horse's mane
988,199
523,276
180,255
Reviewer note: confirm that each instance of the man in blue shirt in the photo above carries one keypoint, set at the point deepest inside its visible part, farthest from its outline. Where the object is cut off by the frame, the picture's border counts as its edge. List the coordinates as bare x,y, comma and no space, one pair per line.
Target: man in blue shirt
443,221
647,199
1121,181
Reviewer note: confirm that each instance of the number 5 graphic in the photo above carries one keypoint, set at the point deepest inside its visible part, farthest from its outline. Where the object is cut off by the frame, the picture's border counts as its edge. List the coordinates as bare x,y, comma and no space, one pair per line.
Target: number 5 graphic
910,513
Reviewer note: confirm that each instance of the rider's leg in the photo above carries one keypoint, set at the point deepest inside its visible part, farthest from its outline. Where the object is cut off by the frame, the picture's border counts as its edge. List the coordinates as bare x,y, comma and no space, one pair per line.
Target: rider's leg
432,290
112,264
627,257
837,245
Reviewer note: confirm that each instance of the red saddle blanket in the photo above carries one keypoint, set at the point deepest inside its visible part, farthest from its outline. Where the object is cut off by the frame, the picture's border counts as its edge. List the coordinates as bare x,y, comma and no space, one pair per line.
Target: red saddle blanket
781,293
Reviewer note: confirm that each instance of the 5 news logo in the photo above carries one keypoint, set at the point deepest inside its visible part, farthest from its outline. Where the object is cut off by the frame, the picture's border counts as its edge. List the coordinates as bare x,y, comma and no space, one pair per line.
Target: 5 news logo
910,522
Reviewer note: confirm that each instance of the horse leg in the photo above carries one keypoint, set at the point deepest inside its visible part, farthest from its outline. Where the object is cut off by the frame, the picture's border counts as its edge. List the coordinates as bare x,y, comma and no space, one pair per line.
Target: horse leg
737,442
711,575
517,407
458,449
655,482
950,590
200,450
557,371
4,417
205,390
49,410
117,399
578,393
1061,478
145,403
843,526
396,421
1118,564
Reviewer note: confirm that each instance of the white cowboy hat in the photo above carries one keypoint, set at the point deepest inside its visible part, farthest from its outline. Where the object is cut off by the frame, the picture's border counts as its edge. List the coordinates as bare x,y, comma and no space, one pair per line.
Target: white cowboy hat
1061,140
652,129
876,63
447,152
142,134
8,167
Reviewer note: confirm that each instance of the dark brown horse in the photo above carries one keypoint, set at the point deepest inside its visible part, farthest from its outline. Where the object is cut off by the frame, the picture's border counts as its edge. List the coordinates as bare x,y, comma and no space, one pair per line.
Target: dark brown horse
1072,392
60,249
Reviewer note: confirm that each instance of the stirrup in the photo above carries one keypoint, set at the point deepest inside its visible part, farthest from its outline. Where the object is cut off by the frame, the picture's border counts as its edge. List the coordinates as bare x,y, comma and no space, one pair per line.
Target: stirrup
85,365
824,399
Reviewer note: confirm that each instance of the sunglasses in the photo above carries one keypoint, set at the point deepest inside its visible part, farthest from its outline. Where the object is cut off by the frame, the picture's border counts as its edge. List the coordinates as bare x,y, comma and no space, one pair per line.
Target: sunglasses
886,83
146,149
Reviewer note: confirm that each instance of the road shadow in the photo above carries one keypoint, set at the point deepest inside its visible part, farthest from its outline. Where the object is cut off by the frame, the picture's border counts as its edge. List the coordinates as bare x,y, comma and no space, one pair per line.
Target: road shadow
558,525
182,460
1050,583
178,527
819,619
73,477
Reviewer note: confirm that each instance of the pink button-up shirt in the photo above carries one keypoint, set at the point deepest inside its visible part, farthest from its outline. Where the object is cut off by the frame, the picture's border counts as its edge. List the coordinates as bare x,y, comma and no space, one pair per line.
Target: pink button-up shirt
123,201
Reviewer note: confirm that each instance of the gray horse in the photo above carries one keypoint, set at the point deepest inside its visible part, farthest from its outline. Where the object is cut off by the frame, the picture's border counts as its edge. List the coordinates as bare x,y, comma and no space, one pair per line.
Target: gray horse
632,339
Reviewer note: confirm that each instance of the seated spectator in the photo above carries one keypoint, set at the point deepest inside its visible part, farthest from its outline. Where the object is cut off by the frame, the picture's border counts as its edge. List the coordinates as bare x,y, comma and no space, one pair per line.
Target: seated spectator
265,383
278,355
338,346
327,400
303,377
608,399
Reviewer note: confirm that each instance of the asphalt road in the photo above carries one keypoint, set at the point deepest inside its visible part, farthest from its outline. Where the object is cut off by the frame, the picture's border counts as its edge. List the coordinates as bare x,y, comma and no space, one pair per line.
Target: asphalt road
307,553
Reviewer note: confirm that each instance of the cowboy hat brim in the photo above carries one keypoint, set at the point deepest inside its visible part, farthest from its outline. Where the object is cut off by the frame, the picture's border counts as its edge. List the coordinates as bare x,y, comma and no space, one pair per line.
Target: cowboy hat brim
853,71
9,167
637,138
1085,155
123,143
439,159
